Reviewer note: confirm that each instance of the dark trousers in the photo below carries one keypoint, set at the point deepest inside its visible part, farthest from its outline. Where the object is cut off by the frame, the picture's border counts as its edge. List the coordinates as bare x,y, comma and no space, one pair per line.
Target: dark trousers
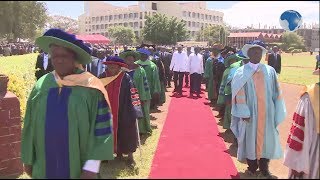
178,81
195,83
186,80
262,164
168,79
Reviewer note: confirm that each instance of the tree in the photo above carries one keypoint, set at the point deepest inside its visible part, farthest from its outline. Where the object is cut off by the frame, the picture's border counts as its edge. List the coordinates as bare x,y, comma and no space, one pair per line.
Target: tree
64,23
160,29
21,19
122,35
214,34
293,40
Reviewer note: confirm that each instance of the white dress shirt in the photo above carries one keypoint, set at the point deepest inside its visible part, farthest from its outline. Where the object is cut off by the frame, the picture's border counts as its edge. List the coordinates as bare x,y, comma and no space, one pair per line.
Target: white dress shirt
179,62
45,61
101,67
195,63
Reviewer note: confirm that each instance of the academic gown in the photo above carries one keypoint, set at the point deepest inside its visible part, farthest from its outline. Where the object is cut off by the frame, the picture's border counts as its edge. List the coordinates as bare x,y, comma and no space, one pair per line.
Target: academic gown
224,97
162,78
125,105
257,95
302,149
141,83
152,75
208,74
62,130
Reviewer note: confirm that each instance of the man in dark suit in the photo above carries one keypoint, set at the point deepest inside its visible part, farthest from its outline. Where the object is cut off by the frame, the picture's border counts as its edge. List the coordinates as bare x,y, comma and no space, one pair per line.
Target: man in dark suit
43,65
165,58
274,59
96,67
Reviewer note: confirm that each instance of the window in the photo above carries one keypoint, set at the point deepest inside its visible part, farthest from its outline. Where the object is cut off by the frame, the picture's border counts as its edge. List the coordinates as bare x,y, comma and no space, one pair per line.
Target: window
198,24
193,24
97,27
97,19
106,26
101,26
140,24
202,16
120,16
136,24
130,16
106,18
125,24
136,15
140,15
93,27
184,13
210,17
120,24
214,18
125,16
198,15
131,24
189,14
145,15
106,34
154,6
102,18
86,30
93,19
110,17
220,19
193,15
136,33
206,17
189,23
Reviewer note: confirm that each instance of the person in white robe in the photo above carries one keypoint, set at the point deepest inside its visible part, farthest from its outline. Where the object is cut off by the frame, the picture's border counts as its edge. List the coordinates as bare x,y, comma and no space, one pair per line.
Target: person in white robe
257,101
302,149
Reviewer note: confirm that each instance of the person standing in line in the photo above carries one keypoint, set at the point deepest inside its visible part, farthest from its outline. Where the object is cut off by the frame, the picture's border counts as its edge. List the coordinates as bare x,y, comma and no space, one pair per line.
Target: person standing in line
140,81
67,129
125,108
152,75
97,67
186,75
195,67
274,59
303,143
43,65
178,66
165,58
257,100
224,98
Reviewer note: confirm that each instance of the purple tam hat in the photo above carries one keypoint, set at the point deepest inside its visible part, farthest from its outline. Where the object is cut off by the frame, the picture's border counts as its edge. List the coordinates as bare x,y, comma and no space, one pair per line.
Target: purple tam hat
64,39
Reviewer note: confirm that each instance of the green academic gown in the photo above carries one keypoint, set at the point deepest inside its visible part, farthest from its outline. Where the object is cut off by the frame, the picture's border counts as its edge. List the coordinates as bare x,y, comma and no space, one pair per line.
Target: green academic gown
62,130
225,94
141,83
152,76
209,76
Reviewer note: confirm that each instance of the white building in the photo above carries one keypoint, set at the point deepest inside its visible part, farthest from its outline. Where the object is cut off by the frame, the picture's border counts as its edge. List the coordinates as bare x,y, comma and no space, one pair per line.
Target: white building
99,16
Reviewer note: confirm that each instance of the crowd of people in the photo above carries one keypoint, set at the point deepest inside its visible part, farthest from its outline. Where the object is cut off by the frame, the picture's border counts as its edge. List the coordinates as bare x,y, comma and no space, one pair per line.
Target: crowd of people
90,103
11,49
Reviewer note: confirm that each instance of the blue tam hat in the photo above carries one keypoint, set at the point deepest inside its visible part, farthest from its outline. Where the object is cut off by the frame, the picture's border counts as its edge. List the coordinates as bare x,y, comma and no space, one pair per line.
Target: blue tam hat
144,51
115,60
61,38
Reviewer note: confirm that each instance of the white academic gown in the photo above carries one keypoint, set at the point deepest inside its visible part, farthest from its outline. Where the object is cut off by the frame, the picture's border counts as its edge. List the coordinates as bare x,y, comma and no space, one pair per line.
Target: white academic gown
302,150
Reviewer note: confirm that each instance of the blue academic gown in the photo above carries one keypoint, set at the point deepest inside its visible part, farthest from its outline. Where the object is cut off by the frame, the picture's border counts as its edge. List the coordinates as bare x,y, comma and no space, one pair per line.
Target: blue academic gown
266,108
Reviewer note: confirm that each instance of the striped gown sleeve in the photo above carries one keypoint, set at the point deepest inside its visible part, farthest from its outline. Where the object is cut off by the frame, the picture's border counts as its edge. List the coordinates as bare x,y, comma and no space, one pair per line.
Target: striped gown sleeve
101,135
135,100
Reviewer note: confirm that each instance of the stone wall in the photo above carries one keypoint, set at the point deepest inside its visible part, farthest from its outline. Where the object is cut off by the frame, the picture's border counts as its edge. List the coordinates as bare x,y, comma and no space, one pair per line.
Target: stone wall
10,136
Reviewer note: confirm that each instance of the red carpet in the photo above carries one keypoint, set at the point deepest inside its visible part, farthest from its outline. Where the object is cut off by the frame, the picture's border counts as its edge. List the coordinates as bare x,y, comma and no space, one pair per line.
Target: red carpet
189,145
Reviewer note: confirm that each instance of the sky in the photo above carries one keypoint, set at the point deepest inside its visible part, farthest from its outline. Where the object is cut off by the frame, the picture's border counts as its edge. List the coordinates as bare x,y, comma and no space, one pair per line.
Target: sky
236,13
